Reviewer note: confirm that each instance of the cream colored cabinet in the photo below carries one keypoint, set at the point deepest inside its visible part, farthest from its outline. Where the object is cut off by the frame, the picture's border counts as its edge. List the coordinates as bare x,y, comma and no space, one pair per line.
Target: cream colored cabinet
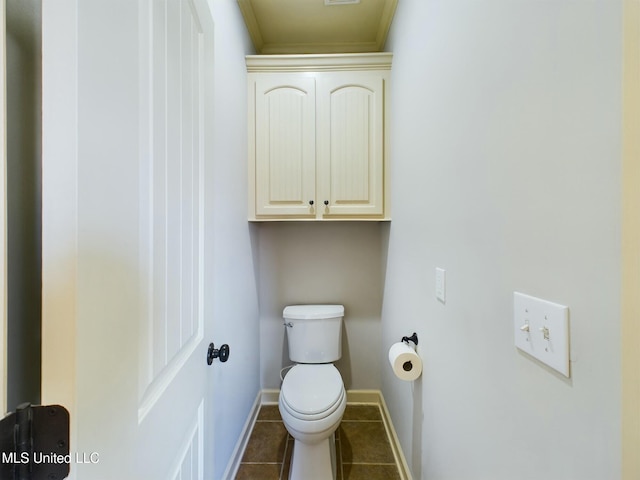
317,137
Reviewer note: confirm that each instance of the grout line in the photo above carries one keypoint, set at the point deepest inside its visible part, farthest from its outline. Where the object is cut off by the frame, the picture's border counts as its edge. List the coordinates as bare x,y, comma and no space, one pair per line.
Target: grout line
284,458
361,421
340,453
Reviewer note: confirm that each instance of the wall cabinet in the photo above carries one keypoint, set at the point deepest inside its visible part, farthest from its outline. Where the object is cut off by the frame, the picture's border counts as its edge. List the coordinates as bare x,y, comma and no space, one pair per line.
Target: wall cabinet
318,145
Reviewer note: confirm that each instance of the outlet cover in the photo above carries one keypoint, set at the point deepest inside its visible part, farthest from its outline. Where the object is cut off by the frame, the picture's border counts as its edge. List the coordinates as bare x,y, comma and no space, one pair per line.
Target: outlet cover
541,329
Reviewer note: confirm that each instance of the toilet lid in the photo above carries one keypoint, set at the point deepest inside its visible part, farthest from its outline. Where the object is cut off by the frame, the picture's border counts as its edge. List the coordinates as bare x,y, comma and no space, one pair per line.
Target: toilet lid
312,389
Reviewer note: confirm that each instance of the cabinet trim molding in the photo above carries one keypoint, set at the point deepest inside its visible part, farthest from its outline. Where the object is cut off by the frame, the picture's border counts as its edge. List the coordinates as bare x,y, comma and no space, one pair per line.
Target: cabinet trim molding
319,62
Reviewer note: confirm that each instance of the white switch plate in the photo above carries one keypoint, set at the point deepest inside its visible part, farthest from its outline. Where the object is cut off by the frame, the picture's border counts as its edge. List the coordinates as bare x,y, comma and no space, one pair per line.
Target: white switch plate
441,285
541,329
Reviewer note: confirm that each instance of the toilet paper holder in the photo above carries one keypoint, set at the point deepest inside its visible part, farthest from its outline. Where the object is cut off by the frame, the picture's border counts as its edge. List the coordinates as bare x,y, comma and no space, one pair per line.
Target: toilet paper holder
413,338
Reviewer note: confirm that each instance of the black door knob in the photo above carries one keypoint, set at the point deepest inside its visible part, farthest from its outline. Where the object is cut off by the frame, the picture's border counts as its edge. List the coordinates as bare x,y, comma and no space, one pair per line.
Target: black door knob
213,353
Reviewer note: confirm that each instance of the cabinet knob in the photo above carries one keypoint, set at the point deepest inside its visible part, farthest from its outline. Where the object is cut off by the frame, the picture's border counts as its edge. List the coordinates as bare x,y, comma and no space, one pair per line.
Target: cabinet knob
326,202
311,202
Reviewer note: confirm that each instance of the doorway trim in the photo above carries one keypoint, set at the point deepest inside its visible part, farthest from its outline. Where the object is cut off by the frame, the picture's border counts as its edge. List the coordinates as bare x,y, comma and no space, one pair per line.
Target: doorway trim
630,260
3,209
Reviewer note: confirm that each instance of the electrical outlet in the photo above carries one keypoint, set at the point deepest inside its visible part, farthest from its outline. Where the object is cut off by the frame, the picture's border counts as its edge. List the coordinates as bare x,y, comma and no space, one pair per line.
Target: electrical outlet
441,286
541,329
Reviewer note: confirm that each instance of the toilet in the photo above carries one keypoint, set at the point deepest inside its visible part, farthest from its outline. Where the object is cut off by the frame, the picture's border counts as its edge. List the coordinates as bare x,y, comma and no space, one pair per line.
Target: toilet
312,397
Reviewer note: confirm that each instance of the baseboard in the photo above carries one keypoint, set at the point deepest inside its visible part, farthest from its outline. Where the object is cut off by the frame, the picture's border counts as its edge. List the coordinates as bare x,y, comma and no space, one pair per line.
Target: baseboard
401,461
270,396
236,457
364,397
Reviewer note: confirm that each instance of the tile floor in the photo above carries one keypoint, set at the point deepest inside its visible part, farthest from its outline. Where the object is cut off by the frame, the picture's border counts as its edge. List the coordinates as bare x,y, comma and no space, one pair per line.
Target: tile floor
362,447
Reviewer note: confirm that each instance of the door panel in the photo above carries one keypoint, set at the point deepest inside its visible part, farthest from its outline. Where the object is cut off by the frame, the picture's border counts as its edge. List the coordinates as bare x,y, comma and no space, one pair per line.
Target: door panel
191,458
351,143
285,145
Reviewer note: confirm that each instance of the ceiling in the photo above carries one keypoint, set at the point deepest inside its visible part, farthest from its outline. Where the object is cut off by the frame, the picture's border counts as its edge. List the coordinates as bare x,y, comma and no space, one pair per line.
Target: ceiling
318,26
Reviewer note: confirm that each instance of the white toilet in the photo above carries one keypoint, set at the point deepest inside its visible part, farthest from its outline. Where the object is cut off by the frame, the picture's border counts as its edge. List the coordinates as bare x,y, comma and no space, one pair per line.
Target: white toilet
312,396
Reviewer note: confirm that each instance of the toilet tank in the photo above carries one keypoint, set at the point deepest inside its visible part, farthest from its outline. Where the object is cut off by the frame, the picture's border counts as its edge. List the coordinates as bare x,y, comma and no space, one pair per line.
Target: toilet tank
314,332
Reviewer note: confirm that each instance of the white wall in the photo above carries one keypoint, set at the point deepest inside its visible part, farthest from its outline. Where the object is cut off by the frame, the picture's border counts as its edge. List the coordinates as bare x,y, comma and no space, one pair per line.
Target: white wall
506,154
236,383
330,262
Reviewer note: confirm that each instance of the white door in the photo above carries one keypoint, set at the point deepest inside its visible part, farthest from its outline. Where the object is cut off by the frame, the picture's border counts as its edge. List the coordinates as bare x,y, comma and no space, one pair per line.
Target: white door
3,214
126,270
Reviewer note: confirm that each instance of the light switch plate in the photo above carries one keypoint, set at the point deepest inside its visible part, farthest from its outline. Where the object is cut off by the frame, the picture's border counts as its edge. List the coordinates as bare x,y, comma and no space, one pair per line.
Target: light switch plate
541,329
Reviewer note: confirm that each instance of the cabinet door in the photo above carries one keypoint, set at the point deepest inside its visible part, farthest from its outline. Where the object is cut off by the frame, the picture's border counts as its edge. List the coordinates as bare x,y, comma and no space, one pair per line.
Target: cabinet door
285,145
351,144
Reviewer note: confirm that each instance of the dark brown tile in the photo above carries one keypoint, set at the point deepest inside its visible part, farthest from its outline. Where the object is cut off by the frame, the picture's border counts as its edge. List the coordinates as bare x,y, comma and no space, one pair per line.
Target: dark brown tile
269,412
287,458
365,442
362,412
259,471
370,472
338,457
266,444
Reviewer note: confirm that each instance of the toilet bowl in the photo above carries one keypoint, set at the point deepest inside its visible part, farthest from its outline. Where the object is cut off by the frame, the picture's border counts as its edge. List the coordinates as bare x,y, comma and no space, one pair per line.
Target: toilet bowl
312,401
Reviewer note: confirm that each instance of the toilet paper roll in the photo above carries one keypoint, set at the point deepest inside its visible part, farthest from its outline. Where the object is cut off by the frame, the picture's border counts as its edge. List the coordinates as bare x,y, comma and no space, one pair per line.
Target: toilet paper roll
405,362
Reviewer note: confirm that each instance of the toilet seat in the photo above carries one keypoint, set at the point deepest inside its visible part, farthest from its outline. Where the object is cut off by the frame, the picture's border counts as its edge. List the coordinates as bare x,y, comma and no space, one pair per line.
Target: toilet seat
312,391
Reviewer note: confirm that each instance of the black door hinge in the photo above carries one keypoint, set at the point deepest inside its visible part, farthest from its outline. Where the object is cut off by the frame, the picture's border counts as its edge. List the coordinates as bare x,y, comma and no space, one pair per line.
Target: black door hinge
34,443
